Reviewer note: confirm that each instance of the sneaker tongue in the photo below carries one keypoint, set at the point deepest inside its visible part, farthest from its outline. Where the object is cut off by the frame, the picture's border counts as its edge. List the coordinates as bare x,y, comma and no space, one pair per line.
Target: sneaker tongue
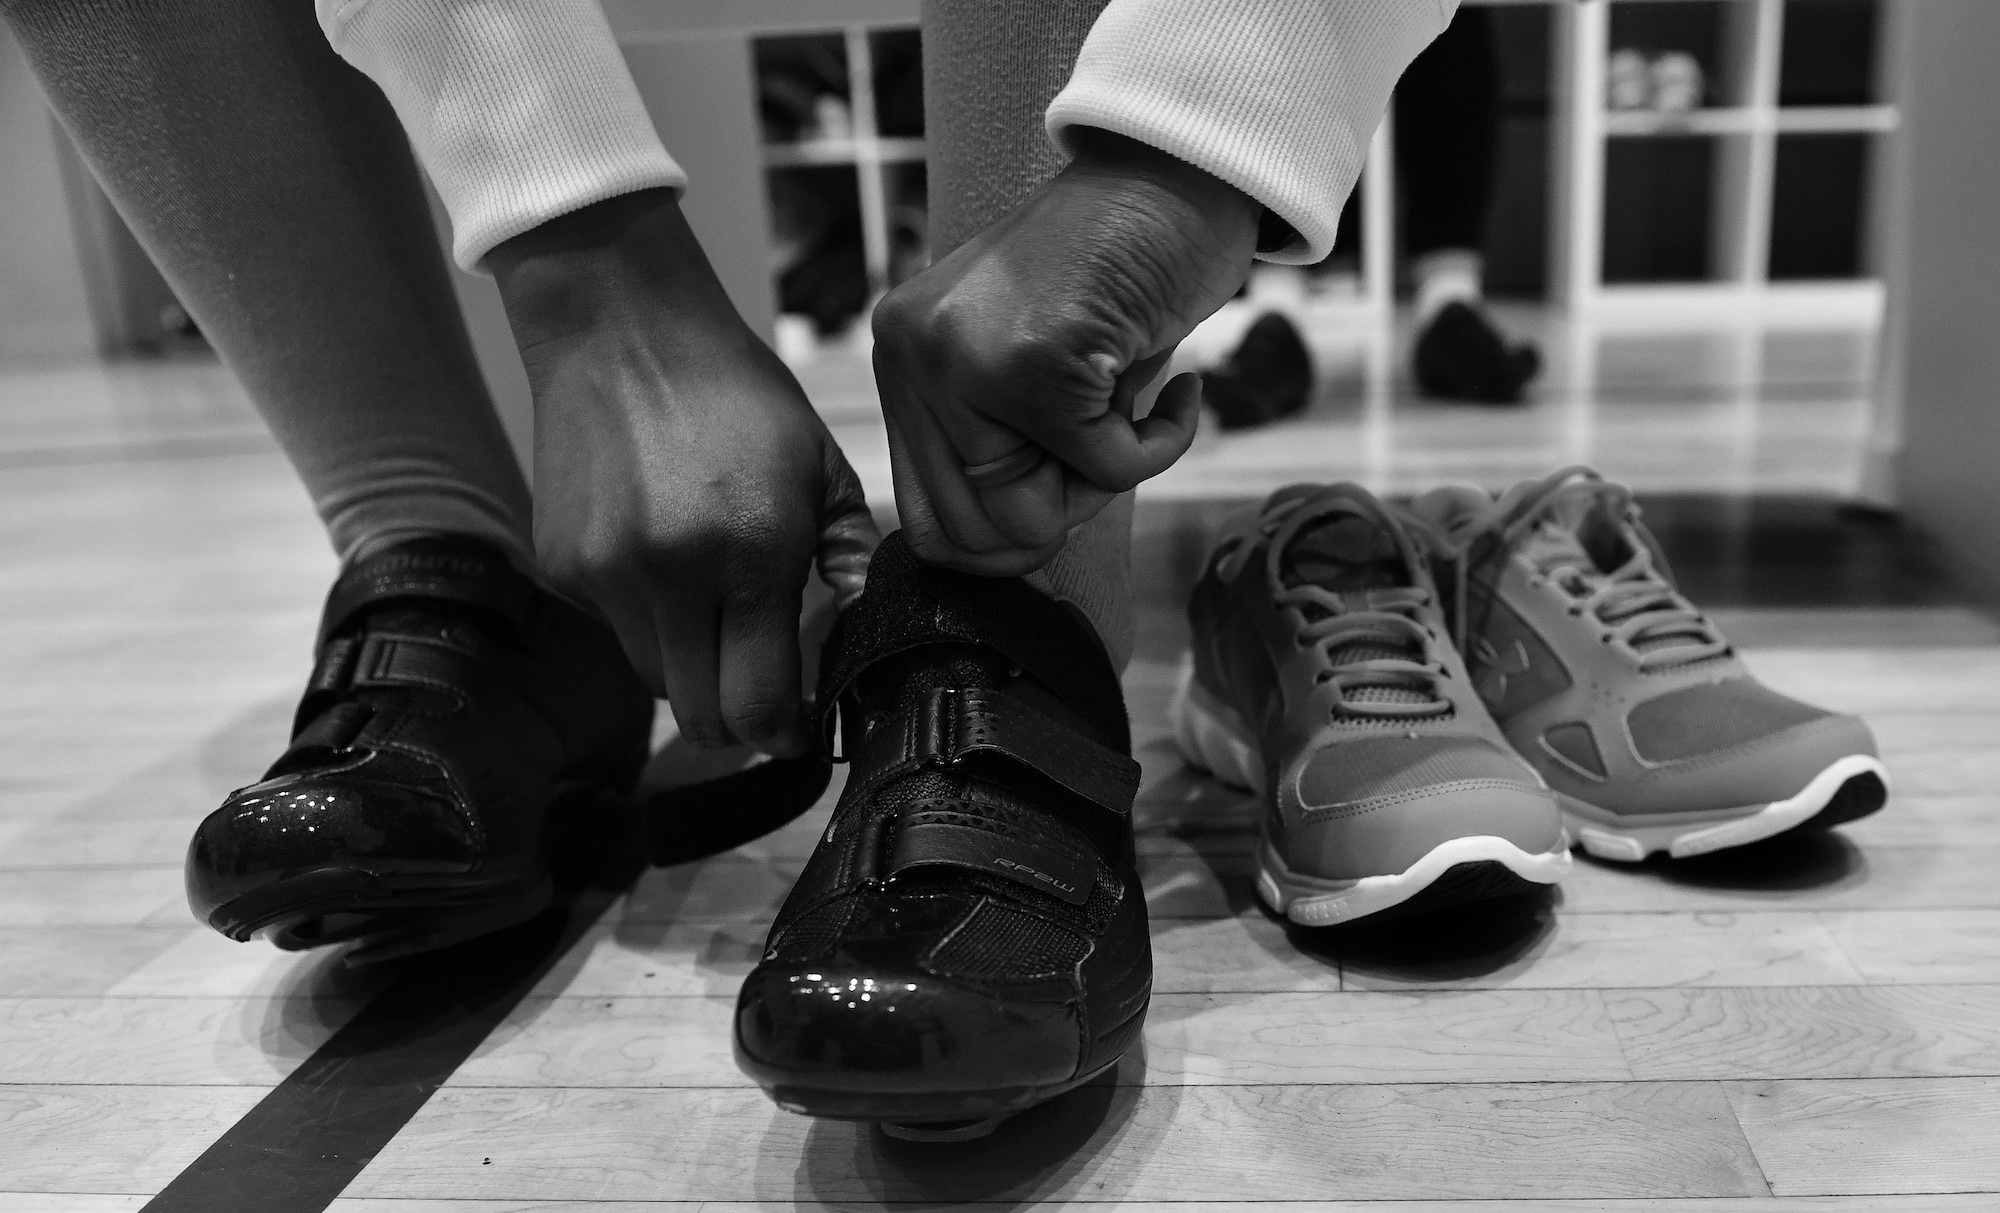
1552,543
1342,553
1354,557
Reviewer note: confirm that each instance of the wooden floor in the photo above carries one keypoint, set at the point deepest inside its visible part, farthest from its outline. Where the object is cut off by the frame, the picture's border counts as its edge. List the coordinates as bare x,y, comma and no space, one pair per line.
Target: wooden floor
1811,1024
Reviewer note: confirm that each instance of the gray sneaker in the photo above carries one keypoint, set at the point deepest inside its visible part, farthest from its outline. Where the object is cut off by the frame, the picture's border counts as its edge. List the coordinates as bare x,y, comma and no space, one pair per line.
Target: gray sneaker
1323,679
1620,691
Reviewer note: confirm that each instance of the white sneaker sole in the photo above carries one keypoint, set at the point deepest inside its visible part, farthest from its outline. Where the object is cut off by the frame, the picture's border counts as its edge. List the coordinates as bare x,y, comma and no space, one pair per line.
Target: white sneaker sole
1631,844
1210,742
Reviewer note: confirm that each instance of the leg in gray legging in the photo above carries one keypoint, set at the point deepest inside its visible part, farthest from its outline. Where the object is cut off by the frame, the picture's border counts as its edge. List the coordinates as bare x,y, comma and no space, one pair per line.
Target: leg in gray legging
273,186
990,71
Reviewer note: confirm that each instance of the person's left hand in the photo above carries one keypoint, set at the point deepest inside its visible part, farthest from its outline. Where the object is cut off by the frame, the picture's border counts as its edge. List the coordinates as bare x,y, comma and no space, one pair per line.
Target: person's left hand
1009,370
684,486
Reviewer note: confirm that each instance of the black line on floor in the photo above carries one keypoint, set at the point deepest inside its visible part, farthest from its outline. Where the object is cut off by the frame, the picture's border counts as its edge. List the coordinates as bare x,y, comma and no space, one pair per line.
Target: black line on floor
299,1148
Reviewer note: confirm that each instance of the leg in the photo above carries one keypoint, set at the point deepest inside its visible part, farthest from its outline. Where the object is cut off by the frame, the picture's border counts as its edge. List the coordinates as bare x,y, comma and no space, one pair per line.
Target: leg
990,71
991,907
1447,136
273,186
1447,143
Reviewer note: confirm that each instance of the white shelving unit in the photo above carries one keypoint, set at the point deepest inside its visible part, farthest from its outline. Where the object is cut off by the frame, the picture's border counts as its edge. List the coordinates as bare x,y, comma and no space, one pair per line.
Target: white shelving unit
869,152
866,149
1747,129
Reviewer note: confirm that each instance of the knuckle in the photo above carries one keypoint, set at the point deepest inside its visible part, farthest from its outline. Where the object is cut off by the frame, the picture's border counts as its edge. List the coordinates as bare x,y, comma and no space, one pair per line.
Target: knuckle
893,317
929,545
708,732
758,719
1034,534
1119,478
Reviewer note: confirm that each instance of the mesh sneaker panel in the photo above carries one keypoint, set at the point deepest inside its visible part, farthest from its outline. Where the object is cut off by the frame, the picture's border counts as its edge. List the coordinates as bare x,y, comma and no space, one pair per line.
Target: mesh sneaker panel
1370,767
1350,555
1716,716
999,941
1349,654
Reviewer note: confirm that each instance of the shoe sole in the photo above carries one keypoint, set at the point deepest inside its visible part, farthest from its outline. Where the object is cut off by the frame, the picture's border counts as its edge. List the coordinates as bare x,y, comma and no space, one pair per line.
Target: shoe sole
1478,867
926,1115
390,916
1849,788
940,1116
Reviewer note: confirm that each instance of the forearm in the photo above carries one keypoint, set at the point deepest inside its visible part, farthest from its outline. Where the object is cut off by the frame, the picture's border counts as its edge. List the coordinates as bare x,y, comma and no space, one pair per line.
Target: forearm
1278,98
520,110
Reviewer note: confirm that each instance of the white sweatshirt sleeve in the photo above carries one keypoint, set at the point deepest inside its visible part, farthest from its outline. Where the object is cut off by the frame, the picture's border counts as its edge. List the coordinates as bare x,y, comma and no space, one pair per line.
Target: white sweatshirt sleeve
520,110
1277,97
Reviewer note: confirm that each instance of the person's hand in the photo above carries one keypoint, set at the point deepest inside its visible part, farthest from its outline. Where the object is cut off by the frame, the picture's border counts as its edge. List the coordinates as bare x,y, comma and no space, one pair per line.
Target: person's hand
684,486
1008,370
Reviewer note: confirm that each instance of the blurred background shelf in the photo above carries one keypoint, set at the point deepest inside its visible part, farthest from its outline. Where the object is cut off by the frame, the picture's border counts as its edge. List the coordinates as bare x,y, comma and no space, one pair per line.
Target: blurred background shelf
843,151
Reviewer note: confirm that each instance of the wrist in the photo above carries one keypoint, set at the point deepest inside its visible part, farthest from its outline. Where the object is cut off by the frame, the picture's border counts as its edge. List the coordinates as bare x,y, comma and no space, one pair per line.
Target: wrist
630,258
1160,178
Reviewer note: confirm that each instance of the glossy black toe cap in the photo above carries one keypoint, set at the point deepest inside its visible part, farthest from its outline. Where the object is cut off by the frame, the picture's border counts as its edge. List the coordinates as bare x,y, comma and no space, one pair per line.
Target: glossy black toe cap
297,823
848,1028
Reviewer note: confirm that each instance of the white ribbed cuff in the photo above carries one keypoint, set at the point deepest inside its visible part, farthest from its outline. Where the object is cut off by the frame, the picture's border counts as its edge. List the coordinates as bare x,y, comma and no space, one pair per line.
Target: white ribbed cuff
1277,97
520,110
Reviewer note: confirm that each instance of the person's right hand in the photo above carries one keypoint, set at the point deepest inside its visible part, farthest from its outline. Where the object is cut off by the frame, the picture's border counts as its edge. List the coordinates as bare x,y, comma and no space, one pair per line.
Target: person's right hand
684,486
1010,369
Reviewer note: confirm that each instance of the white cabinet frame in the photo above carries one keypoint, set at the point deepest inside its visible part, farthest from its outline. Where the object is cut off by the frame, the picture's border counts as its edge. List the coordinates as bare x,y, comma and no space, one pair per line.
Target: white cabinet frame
1582,127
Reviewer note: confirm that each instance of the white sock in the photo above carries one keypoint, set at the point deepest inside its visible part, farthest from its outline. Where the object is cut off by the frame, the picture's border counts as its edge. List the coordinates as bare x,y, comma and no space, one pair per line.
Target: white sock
1451,275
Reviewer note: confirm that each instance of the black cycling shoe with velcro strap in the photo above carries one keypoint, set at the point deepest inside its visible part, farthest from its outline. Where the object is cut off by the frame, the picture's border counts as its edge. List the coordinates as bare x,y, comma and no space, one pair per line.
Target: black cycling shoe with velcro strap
969,938
457,714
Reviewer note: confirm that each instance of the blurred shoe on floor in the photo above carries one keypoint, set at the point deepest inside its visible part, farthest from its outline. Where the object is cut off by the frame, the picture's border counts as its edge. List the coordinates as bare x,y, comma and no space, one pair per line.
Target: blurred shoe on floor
1266,377
1626,698
1460,355
1322,677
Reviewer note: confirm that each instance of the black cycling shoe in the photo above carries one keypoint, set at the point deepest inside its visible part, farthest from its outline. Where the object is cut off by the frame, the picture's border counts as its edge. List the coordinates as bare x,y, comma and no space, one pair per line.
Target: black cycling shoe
457,713
969,939
1459,355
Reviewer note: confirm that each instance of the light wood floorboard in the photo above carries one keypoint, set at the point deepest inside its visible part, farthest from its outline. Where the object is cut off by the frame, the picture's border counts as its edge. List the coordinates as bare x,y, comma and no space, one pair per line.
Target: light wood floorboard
1809,1032
1110,1143
1888,1135
111,1139
172,1041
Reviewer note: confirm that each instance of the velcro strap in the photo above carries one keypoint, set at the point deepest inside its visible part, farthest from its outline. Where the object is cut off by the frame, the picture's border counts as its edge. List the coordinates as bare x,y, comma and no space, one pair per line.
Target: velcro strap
331,671
458,570
333,729
909,605
413,661
375,659
947,727
954,840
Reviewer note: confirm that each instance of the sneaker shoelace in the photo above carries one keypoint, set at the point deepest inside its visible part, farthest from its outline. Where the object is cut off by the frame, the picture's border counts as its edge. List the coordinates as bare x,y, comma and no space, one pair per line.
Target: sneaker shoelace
1376,647
1633,603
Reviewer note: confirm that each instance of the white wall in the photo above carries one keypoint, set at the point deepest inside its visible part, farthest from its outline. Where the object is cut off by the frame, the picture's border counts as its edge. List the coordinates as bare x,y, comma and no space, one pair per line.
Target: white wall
1947,285
44,306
